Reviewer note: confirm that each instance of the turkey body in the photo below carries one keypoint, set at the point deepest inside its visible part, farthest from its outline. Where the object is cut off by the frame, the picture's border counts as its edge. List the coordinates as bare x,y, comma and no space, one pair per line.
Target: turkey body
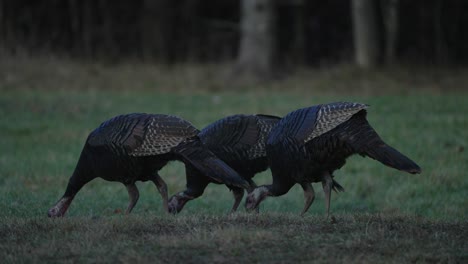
309,144
239,141
134,147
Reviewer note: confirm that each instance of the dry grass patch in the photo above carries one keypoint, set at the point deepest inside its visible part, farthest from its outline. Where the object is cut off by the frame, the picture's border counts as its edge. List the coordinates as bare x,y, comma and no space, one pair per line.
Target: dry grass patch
264,238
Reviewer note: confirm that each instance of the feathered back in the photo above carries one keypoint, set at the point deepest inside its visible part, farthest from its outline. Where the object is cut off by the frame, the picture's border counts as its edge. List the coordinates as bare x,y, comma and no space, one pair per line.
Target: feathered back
143,134
265,124
332,115
242,136
305,124
236,131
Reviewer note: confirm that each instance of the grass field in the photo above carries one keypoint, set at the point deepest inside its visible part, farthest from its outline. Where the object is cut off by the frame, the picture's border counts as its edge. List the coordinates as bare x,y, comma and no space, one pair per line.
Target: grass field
384,215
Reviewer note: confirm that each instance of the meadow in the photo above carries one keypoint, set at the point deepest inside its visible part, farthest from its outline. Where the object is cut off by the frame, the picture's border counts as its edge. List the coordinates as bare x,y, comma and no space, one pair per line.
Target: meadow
48,109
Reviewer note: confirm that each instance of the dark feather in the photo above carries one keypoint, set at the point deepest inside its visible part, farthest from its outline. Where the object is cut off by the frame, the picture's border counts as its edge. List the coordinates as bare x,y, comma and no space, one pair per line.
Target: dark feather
239,141
309,144
134,147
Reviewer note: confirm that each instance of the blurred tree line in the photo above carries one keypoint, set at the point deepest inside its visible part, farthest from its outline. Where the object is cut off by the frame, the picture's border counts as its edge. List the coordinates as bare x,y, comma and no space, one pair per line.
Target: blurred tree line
258,34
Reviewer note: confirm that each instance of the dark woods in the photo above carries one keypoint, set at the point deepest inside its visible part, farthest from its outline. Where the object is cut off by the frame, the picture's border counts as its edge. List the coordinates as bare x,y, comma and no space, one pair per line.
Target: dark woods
167,31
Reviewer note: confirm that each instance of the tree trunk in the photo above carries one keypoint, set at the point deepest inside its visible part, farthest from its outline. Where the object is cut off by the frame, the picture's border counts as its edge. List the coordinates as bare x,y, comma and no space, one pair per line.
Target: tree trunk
257,44
365,29
390,19
440,48
106,30
156,34
189,24
2,26
8,29
299,44
74,16
87,30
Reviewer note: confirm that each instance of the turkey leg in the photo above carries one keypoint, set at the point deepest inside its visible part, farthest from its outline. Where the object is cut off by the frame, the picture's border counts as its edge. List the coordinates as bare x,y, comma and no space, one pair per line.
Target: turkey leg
327,184
309,196
133,194
162,188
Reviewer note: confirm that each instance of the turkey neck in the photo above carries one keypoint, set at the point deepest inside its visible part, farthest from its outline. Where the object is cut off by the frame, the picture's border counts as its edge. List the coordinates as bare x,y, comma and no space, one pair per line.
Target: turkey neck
81,175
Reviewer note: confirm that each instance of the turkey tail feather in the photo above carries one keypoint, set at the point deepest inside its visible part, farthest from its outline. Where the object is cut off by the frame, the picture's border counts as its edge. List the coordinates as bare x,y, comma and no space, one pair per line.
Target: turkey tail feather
337,187
392,158
206,162
367,142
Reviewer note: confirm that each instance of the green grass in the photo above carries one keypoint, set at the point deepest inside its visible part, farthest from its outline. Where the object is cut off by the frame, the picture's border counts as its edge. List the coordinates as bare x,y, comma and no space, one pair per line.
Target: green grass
42,130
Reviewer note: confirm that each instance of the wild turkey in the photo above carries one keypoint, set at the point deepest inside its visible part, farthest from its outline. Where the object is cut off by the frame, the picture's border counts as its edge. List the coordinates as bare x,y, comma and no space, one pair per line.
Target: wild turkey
238,140
309,144
133,147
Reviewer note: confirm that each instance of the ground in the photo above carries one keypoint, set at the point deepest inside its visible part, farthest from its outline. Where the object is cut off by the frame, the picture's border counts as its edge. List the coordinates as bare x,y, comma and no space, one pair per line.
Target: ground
48,107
